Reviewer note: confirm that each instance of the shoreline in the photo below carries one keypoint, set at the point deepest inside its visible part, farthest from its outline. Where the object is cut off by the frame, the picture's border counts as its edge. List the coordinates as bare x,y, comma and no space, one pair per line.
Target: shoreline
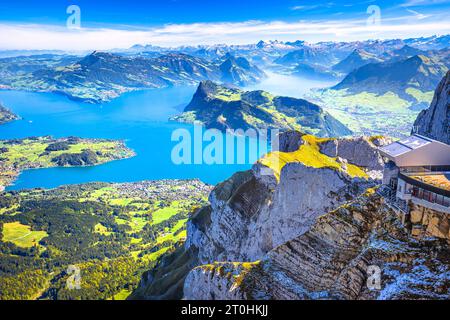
122,152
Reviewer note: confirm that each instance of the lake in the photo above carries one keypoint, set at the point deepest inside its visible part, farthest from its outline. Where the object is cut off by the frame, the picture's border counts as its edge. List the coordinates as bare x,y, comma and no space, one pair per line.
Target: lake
139,118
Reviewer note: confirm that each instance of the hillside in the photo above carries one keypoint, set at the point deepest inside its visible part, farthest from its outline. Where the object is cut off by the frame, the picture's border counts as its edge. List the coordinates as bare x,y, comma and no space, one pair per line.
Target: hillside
434,122
216,106
100,77
418,72
6,115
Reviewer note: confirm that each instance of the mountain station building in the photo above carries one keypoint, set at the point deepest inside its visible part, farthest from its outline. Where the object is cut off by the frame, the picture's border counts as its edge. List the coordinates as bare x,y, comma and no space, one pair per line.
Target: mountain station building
416,184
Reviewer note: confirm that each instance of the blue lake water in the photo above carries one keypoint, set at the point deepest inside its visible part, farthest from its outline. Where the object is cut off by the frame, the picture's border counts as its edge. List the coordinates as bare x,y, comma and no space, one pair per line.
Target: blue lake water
139,118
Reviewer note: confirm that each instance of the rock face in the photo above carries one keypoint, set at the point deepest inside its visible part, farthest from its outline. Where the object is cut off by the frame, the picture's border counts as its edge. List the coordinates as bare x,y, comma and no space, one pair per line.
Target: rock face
429,223
315,232
336,259
435,121
252,213
362,151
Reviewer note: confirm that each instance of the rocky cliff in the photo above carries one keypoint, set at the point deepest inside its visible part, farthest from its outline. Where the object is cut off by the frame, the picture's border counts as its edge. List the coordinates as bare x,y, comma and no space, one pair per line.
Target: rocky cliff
435,121
281,197
305,223
339,257
278,200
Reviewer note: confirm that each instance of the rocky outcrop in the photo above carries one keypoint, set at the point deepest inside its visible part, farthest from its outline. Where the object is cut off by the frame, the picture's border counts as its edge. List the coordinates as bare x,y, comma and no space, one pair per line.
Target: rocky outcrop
360,151
426,222
290,141
435,121
338,258
256,211
315,231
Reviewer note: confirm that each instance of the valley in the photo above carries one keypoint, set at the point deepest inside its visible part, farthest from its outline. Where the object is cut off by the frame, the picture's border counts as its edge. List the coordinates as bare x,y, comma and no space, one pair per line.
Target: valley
111,232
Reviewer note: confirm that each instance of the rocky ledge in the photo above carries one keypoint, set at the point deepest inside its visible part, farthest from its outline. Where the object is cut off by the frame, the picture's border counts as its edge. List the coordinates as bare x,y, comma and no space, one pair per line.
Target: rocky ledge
336,259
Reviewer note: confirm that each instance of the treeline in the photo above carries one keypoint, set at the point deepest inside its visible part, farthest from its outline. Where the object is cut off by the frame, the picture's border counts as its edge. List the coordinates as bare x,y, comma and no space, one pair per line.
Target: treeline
23,286
98,280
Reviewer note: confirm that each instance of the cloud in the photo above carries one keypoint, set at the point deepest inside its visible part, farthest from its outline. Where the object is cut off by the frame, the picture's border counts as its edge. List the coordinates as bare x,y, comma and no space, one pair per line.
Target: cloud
28,36
417,3
304,7
419,16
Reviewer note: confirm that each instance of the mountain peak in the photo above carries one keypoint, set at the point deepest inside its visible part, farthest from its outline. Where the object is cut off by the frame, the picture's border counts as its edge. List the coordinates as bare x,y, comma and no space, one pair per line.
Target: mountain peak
221,107
435,121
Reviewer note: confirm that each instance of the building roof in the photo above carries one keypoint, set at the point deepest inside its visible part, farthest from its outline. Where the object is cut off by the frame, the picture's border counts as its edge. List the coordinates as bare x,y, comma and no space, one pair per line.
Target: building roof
417,150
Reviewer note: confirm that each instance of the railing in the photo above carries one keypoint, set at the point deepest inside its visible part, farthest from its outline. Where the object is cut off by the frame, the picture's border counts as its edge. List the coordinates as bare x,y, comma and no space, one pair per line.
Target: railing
390,196
408,179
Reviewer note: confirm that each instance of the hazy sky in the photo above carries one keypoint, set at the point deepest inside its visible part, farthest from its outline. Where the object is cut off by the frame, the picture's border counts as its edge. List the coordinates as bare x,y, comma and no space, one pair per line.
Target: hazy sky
31,24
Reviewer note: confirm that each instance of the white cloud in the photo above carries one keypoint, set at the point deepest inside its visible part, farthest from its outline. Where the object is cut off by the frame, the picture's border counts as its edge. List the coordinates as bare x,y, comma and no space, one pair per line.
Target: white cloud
27,36
416,3
418,15
304,7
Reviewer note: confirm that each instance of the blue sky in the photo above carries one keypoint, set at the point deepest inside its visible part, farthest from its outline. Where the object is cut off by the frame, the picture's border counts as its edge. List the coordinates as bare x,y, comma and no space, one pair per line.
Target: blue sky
31,24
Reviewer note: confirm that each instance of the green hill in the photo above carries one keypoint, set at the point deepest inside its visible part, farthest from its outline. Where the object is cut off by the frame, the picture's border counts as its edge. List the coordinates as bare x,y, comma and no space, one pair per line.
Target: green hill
216,106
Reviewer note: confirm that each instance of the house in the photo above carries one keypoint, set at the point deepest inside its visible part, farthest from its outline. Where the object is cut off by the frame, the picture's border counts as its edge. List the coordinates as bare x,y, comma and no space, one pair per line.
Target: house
416,183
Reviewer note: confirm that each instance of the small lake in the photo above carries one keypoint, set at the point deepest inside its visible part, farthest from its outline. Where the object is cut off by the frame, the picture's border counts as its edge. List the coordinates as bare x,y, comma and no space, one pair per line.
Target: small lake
140,118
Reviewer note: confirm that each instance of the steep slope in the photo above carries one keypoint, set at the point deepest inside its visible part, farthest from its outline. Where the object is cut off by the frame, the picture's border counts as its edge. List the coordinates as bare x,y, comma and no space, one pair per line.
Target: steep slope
100,76
335,259
356,59
255,211
435,121
223,108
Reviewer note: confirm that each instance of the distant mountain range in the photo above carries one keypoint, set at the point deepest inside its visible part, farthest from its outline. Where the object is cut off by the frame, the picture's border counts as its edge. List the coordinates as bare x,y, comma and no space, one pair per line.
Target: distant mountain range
336,60
100,76
219,107
361,66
